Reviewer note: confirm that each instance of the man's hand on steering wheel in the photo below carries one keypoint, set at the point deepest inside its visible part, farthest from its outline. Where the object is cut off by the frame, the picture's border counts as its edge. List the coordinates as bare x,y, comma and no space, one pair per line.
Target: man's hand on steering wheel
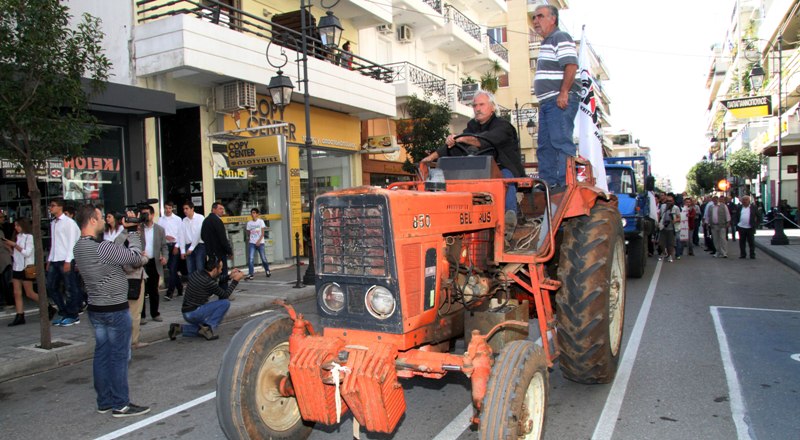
470,144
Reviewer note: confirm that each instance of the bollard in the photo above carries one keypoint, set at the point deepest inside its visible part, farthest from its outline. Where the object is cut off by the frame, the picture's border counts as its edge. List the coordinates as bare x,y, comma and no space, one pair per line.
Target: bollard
298,284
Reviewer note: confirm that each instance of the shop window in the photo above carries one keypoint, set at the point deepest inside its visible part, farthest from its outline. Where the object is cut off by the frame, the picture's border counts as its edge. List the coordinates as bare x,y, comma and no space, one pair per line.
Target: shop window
331,172
238,189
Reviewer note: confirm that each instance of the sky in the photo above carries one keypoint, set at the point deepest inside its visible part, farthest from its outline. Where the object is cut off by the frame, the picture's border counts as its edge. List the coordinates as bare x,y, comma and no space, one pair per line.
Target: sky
657,55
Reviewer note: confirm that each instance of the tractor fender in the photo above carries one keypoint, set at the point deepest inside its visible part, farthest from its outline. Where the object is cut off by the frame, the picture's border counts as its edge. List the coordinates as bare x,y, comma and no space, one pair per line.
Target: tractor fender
583,199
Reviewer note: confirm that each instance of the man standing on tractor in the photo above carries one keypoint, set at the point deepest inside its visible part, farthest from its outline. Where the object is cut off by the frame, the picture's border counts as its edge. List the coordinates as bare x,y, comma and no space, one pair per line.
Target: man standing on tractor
558,95
494,132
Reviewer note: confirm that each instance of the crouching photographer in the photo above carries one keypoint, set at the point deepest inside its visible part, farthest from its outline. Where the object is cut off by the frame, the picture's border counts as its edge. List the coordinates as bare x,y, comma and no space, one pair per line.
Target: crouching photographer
101,265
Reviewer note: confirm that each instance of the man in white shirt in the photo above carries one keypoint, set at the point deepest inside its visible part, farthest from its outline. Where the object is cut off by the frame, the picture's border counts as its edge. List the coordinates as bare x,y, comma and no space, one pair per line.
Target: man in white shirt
719,218
173,228
194,248
256,229
64,233
746,221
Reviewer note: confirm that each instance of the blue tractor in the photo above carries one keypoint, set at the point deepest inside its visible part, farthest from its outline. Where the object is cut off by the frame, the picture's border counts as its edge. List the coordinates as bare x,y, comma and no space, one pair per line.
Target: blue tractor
633,206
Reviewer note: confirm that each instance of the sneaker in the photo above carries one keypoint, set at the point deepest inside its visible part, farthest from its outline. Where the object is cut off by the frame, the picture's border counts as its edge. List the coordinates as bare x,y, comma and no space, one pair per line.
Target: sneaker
103,410
168,297
130,410
248,278
174,331
678,257
206,332
57,321
66,322
669,260
157,319
269,273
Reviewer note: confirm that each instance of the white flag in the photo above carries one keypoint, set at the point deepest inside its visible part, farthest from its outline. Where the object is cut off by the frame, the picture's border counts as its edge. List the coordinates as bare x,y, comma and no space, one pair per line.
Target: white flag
587,123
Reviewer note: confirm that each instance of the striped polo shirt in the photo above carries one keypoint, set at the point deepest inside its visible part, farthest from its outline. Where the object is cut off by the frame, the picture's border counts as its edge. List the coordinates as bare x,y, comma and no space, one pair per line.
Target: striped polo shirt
557,50
101,264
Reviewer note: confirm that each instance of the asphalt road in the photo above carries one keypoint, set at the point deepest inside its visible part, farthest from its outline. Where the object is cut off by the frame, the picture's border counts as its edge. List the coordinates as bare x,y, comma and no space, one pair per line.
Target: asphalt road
711,351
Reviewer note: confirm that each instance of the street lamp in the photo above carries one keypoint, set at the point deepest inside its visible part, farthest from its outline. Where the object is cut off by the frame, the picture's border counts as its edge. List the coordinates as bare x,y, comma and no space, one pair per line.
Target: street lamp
756,81
531,125
280,88
532,128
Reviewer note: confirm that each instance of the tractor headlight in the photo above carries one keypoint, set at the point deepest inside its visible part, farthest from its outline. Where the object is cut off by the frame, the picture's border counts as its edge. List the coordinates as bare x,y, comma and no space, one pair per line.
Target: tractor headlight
380,302
332,297
624,222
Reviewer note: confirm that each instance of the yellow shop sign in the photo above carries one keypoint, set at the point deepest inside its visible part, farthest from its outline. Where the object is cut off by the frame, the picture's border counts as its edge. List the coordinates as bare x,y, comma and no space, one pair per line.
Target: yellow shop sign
251,152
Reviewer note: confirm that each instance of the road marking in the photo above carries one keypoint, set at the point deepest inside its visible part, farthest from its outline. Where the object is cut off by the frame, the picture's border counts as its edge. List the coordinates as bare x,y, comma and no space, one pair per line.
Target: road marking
608,418
757,309
456,426
153,419
263,312
738,410
795,357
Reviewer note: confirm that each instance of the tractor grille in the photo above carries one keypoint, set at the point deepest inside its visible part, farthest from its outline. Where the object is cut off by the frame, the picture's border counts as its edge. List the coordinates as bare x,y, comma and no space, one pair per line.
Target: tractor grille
352,241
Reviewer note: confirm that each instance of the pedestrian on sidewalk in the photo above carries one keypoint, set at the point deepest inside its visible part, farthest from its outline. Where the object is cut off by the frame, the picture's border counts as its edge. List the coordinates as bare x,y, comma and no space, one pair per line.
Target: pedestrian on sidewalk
746,220
718,218
670,218
101,264
203,317
688,224
215,238
195,249
257,230
23,256
64,233
173,226
155,248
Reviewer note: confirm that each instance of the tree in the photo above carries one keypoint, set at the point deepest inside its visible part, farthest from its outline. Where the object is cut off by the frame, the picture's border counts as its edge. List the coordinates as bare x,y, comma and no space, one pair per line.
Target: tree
490,80
43,104
743,163
424,131
703,176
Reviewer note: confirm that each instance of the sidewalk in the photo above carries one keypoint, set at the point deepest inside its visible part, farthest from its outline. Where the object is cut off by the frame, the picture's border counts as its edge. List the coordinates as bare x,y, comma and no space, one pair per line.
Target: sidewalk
20,357
787,254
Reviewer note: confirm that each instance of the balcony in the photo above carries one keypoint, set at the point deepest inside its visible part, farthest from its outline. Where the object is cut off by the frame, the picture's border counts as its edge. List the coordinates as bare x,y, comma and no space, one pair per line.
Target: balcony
492,52
462,113
418,14
488,10
364,13
410,79
207,46
459,36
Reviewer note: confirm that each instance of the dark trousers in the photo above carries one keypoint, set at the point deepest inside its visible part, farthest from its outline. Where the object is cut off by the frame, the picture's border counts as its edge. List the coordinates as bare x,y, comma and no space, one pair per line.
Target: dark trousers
172,266
71,307
151,288
223,278
6,290
708,241
747,236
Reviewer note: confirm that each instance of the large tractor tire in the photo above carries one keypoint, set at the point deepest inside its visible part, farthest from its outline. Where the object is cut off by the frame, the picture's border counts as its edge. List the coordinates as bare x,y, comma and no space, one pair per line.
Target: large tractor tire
591,300
516,395
249,405
637,257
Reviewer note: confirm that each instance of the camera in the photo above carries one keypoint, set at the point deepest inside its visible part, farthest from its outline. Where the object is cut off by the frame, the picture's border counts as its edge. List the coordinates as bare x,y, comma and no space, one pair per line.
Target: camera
142,216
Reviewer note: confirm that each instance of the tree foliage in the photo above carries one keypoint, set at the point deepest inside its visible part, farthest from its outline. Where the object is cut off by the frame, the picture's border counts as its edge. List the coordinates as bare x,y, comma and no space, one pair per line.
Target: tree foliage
43,104
424,131
703,176
743,163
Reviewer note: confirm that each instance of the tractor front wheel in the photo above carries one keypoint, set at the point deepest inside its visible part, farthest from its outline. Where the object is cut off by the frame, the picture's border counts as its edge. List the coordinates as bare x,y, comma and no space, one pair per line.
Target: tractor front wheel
249,403
591,300
516,395
637,257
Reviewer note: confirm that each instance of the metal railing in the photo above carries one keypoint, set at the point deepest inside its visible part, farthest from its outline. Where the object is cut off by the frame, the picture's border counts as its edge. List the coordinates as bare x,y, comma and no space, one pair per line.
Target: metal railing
453,95
462,21
435,4
496,47
429,82
224,15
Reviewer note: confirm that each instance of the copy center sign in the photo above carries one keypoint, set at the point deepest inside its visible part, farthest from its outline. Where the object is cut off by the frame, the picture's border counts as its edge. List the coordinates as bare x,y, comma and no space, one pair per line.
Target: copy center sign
251,152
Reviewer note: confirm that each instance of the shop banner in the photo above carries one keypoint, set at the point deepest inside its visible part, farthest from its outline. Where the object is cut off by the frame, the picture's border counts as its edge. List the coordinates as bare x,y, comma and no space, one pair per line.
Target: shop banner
265,150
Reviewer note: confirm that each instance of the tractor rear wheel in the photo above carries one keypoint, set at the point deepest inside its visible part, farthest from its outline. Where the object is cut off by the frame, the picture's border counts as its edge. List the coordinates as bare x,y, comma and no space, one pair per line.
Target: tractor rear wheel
591,300
249,404
637,257
516,395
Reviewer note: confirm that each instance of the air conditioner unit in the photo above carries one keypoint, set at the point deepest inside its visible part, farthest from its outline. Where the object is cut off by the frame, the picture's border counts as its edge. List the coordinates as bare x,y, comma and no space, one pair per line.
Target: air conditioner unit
405,34
235,95
386,29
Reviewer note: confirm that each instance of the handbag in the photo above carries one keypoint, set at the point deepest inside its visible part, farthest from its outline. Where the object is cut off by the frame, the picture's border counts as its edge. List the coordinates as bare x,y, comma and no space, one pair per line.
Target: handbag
30,272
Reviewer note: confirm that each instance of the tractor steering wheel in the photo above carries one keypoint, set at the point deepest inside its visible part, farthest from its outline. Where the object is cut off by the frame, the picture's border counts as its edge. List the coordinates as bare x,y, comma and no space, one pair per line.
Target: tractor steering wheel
469,150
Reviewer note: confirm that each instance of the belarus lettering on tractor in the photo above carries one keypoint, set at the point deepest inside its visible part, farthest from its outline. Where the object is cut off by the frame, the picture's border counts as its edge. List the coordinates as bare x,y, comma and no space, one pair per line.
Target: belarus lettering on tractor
403,272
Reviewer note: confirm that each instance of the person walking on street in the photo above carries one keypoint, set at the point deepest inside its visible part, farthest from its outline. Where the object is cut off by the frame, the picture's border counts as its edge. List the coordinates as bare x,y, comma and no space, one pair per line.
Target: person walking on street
173,226
669,221
194,248
216,240
257,231
155,248
558,94
23,256
100,263
203,317
746,220
689,224
718,218
64,233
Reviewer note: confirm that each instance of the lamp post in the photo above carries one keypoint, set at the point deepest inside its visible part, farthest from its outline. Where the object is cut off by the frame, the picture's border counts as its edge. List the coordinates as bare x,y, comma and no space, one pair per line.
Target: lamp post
280,88
531,125
756,81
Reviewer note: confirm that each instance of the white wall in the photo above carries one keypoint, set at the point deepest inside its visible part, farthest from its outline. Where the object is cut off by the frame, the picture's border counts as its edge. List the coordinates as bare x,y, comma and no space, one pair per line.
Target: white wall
117,23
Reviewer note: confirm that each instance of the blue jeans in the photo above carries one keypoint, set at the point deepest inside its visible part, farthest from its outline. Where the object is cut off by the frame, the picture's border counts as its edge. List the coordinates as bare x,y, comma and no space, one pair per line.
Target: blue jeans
209,314
197,259
252,247
173,281
555,139
511,194
112,334
55,274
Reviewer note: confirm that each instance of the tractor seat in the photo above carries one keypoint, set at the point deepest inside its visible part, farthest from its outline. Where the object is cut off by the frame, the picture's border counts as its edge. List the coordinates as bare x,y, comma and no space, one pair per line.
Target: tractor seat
469,167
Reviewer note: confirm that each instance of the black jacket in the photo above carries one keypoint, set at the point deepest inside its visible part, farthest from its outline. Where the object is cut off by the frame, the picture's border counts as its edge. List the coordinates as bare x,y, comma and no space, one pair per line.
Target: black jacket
214,236
499,133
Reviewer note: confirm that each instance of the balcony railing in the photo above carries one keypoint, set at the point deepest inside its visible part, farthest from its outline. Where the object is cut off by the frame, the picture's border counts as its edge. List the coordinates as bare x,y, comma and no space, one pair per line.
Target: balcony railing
497,48
435,4
224,15
429,82
452,14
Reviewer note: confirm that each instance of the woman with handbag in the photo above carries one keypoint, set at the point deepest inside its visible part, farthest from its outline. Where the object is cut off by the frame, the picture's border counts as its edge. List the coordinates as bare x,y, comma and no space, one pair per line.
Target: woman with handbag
24,270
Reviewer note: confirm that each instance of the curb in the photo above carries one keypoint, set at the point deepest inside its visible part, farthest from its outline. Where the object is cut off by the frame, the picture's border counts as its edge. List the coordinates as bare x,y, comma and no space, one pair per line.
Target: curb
776,255
32,363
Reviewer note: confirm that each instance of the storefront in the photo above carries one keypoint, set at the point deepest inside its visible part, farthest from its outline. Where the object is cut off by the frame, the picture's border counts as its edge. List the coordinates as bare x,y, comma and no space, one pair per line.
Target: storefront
385,165
279,189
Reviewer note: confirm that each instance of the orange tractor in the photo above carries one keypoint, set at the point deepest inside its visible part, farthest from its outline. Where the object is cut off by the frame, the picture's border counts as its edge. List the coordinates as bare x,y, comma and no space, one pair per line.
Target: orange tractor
404,272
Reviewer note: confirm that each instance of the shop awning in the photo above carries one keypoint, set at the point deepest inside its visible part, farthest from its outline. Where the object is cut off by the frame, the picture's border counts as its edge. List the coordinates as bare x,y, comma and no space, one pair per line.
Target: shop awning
131,100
